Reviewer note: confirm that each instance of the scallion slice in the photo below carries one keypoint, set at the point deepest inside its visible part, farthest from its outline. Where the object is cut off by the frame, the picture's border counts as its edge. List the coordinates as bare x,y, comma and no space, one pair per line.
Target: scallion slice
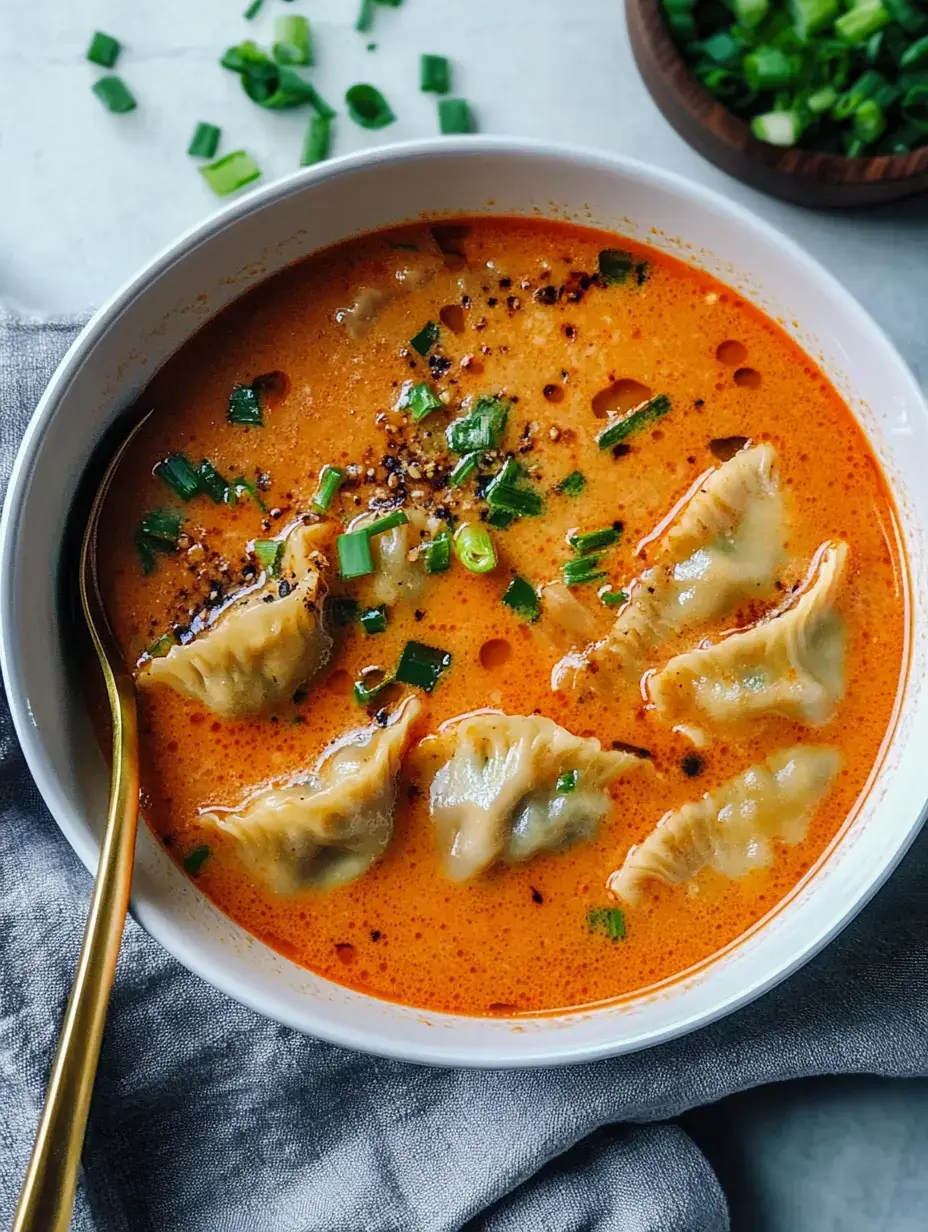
330,480
634,421
387,522
749,13
253,10
114,94
104,49
196,859
474,548
781,128
179,475
608,920
567,782
572,484
520,596
158,531
162,646
211,482
426,338
915,55
368,107
869,121
240,487
482,428
374,620
594,540
365,693
245,405
231,172
365,16
914,107
767,68
317,141
422,666
500,519
292,40
504,492
858,23
811,16
454,116
269,553
436,553
419,399
355,558
205,141
434,74
616,265
613,598
582,569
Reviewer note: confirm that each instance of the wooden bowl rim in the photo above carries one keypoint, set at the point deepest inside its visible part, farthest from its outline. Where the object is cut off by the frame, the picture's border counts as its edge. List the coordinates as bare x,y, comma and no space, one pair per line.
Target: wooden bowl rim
736,134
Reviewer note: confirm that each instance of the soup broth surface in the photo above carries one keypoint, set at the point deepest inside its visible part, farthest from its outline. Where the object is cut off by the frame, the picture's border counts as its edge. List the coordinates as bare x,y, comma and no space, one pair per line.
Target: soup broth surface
522,312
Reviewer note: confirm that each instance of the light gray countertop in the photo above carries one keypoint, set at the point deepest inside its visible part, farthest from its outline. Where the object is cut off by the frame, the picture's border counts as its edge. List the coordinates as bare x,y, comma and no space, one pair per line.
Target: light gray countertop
88,197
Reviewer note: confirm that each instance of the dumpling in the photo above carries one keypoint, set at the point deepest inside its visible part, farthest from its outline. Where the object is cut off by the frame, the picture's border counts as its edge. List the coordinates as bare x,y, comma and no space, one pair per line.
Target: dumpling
398,574
725,547
565,621
791,664
495,795
330,829
407,269
263,645
733,828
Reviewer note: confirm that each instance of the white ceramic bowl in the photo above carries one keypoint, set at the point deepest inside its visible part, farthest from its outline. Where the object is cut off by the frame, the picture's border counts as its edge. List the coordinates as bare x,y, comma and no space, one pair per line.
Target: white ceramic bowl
131,336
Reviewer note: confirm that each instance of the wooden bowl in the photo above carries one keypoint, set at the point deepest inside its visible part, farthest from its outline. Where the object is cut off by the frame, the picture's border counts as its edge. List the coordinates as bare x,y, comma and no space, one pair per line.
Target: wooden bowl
802,176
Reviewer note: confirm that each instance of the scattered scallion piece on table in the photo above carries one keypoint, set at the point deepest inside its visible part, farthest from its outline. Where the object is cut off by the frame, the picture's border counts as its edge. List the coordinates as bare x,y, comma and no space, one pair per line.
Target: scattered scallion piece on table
420,399
211,482
474,548
426,338
634,421
196,859
434,74
104,49
567,782
292,40
422,666
368,107
572,484
253,10
269,553
114,94
330,480
454,116
245,406
374,620
481,428
317,141
205,141
436,553
520,596
355,558
179,475
231,172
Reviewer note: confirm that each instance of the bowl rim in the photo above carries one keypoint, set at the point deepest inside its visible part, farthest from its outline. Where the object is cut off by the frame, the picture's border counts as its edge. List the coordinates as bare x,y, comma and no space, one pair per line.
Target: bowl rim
729,129
541,1050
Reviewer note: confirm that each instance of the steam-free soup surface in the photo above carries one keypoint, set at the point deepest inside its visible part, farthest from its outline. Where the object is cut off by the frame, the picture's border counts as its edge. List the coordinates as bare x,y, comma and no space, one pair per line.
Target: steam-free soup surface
523,314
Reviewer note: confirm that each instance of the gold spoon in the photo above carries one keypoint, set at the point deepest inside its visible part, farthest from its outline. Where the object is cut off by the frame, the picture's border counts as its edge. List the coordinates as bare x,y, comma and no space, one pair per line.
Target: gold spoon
46,1202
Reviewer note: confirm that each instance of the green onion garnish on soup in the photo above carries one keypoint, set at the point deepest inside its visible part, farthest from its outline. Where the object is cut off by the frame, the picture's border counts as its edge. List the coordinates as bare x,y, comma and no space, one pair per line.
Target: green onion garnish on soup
474,548
608,920
520,596
594,540
179,476
463,469
426,338
634,421
572,484
211,482
613,598
374,619
245,405
269,553
387,522
237,489
422,666
482,428
505,492
355,558
500,519
617,266
420,400
436,553
196,859
567,782
158,531
330,480
582,569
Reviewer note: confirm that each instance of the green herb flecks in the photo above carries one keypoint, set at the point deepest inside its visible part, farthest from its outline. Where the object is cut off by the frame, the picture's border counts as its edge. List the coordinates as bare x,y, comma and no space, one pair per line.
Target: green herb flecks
608,920
422,666
196,859
481,428
520,596
633,421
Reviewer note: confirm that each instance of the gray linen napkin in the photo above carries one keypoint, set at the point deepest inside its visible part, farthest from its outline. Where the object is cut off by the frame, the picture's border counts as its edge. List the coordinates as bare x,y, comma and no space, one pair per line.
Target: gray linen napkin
207,1118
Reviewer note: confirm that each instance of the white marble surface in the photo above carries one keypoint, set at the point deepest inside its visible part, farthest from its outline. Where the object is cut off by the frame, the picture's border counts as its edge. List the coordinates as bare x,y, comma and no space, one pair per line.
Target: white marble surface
88,197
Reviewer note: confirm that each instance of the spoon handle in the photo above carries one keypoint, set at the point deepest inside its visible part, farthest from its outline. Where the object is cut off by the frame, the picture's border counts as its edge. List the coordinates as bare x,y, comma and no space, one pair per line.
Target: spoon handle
46,1202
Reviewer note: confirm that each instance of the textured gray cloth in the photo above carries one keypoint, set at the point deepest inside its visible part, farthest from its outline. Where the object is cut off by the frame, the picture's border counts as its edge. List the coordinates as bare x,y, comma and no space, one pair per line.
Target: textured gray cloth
207,1118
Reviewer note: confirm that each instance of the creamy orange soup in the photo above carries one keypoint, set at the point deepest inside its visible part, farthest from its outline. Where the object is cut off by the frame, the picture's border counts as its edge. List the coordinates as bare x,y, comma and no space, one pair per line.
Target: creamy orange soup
570,338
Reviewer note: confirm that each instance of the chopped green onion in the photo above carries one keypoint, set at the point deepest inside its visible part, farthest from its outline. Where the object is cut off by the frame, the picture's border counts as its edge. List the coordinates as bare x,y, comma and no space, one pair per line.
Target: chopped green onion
374,620
454,116
422,666
482,428
749,13
245,405
811,16
420,400
520,596
820,102
567,782
615,265
572,484
317,141
368,107
205,141
434,74
365,16
500,519
462,469
292,40
608,920
613,598
158,531
767,68
253,10
241,487
104,49
582,569
521,501
269,553
641,417
474,548
864,87
869,121
355,558
230,173
195,861
179,475
344,611
916,55
911,17
426,338
858,23
594,540
387,522
914,107
330,480
436,553
780,128
364,694
162,646
114,94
